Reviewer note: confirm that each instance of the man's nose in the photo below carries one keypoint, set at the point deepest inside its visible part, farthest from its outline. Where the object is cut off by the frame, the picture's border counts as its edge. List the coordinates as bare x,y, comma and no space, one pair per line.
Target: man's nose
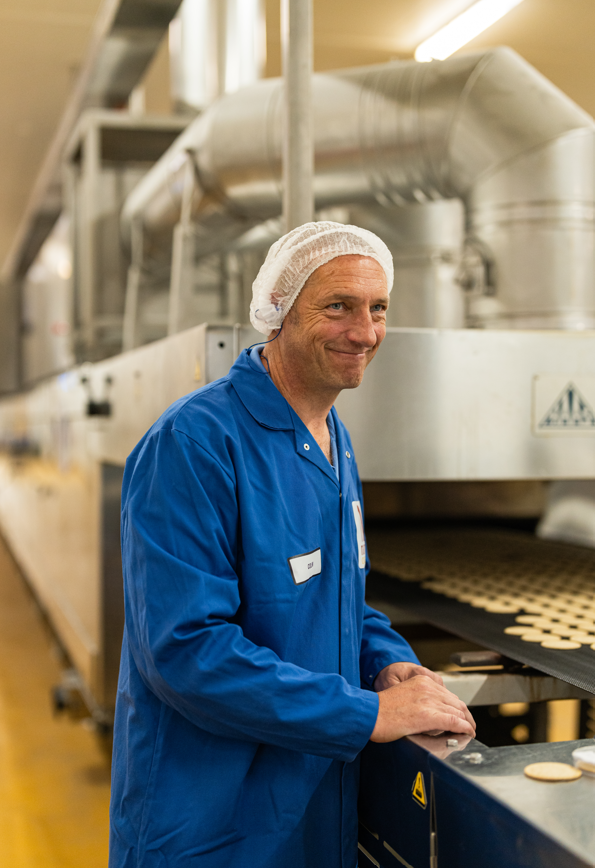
362,331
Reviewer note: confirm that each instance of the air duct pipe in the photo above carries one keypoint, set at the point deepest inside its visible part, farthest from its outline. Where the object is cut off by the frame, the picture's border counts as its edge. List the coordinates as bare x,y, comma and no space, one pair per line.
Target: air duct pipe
215,47
486,128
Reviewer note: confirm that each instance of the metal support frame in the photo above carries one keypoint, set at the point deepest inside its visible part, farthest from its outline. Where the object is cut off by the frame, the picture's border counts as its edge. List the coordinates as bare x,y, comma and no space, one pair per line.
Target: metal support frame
182,253
106,156
484,688
133,285
88,256
298,145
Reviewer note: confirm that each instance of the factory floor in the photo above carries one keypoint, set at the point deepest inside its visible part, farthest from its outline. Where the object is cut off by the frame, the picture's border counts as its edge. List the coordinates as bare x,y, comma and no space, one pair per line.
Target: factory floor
54,777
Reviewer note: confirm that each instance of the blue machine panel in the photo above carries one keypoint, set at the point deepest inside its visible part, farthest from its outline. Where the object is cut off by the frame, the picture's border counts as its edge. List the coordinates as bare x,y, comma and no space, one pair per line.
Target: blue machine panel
480,809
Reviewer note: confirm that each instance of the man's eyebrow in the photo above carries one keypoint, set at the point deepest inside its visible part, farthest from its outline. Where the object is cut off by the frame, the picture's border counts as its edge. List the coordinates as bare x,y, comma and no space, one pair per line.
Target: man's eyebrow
347,296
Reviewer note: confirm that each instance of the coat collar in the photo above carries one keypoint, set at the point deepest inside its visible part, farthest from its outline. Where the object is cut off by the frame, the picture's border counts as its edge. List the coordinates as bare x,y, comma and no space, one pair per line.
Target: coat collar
269,408
259,395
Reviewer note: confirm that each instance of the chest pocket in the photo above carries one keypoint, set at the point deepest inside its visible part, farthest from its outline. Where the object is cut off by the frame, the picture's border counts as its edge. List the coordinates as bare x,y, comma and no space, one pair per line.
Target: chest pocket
304,567
359,529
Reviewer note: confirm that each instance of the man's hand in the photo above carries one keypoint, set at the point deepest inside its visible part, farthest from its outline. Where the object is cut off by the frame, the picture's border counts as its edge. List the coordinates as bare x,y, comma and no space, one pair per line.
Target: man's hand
397,672
419,705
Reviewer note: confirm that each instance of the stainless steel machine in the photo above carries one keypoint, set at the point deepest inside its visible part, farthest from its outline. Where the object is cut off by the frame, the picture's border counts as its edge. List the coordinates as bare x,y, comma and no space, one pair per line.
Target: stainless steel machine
478,173
466,804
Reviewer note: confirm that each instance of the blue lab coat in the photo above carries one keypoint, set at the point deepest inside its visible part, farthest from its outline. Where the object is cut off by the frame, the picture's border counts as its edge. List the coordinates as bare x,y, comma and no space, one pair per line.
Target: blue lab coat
244,696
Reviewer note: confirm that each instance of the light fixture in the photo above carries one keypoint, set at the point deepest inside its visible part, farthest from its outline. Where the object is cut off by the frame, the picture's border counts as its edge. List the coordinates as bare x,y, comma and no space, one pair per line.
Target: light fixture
463,29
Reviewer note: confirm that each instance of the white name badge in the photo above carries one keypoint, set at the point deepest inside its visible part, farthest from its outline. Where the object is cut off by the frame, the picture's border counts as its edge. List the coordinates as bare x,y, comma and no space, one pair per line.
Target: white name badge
359,527
303,567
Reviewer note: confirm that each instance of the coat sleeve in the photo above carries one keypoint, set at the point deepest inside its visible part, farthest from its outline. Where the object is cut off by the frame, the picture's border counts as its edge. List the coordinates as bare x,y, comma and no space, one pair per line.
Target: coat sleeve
179,537
381,645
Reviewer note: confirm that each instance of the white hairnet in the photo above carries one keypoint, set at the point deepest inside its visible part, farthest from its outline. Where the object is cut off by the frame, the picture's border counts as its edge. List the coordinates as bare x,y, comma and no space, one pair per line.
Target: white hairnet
293,258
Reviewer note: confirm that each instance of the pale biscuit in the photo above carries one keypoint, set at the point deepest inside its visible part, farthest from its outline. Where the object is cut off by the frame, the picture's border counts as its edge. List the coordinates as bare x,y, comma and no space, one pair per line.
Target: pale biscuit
552,772
585,627
497,608
535,620
560,644
526,631
568,619
583,638
563,630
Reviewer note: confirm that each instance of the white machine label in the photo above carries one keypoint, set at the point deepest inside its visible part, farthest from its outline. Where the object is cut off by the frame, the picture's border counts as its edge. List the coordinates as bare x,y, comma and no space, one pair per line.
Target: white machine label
303,567
563,405
361,540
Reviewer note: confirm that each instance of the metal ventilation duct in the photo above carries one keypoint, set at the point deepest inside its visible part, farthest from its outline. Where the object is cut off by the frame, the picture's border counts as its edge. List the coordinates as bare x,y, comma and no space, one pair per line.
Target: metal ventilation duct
126,35
487,128
128,46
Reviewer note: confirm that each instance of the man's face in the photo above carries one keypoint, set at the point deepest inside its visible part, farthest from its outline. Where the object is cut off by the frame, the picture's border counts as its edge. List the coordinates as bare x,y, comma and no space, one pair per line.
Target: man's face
337,323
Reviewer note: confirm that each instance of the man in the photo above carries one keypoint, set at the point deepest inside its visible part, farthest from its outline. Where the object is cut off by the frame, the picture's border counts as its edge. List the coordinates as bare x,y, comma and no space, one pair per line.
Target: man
252,672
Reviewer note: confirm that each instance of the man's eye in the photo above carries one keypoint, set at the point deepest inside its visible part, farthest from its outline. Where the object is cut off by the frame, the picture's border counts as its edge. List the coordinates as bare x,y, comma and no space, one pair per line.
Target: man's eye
336,305
377,308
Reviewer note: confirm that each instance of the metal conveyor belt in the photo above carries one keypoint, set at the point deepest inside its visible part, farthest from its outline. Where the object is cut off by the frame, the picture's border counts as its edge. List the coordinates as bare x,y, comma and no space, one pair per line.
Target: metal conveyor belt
527,573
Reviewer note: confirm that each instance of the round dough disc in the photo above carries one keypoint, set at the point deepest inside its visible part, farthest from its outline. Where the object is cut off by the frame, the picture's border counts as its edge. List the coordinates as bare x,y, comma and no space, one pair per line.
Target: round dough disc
568,619
583,638
552,772
540,622
497,608
564,631
480,602
585,625
560,644
525,631
536,637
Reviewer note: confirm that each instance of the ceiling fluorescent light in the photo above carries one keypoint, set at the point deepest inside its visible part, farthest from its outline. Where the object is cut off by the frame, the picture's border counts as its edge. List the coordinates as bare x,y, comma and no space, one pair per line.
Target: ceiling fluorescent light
463,29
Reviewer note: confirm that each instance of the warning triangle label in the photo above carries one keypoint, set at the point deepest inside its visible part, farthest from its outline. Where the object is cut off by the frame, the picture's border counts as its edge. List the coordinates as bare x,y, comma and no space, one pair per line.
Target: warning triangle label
570,410
418,791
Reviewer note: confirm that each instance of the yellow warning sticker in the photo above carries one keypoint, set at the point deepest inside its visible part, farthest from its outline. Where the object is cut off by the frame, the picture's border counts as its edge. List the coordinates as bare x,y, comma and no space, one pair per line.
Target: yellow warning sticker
418,790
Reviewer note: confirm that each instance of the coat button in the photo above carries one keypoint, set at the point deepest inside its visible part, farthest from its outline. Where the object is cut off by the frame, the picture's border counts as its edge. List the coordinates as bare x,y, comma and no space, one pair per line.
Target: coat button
306,446
348,454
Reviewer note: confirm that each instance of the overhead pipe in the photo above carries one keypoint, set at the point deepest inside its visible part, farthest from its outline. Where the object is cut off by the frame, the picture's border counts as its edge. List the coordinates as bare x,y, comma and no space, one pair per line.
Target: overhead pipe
486,128
298,150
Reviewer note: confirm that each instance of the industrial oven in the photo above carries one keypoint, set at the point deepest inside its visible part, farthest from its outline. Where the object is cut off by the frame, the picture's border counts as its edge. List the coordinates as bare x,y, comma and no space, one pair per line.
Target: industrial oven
480,406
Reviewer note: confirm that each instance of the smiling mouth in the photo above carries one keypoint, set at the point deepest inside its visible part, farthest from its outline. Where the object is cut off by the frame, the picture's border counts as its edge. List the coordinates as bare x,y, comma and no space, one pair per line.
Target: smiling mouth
346,352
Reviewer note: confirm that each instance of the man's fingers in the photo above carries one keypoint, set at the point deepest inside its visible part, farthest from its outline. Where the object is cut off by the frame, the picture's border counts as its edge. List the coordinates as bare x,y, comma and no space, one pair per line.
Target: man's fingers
429,674
469,717
459,724
420,704
460,713
465,714
451,699
453,702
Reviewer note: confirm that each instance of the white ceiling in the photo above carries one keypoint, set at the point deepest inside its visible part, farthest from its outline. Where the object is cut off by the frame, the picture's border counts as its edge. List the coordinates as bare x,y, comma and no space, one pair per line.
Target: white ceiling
42,44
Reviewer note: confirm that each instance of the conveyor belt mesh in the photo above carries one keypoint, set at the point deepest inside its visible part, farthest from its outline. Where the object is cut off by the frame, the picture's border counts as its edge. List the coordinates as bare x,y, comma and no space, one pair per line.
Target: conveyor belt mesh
452,577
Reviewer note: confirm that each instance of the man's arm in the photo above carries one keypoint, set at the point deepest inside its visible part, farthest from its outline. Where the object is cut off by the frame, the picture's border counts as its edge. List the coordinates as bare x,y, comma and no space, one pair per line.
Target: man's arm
180,521
412,699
